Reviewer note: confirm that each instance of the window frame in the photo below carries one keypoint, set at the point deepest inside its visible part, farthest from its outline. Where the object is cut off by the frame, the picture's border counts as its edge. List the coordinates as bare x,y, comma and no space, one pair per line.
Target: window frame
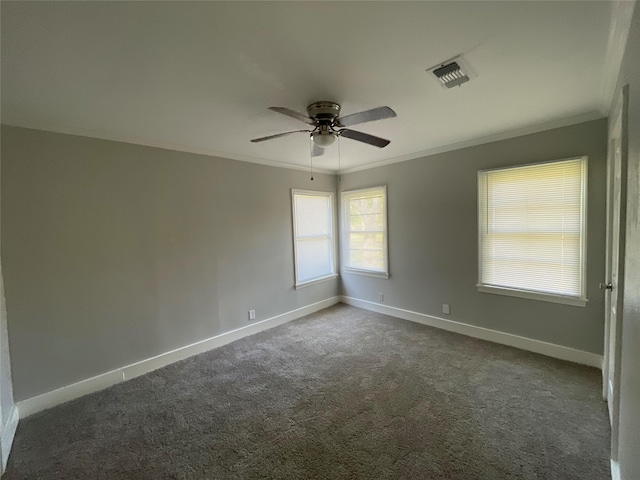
332,236
577,300
345,233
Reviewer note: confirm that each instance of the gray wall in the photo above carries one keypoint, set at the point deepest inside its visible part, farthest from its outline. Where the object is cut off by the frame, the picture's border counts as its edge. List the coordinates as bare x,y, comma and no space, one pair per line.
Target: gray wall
629,446
114,253
433,252
6,386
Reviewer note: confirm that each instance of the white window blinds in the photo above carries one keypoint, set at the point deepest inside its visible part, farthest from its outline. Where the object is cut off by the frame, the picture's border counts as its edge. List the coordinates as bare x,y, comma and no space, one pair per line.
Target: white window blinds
532,227
365,229
313,235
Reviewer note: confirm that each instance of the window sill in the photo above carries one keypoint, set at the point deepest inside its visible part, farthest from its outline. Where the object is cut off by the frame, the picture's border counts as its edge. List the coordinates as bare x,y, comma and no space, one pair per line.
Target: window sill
315,281
545,297
367,273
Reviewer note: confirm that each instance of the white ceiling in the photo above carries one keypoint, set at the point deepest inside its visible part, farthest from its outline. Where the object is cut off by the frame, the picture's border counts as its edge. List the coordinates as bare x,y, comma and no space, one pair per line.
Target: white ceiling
200,76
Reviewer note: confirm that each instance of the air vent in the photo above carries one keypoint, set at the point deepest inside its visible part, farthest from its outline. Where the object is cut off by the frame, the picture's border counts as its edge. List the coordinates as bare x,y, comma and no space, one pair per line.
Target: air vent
451,75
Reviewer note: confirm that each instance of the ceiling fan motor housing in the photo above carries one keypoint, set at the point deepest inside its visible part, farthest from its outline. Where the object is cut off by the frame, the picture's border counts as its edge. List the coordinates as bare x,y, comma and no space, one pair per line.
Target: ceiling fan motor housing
324,112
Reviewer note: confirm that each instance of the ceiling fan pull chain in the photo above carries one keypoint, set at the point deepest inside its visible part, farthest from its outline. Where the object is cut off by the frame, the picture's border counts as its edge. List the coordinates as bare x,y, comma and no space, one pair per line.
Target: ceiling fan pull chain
339,156
311,155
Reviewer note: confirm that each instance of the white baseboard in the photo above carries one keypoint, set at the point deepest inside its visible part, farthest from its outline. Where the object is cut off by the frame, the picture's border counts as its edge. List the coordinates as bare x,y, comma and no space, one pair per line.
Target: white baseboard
55,397
64,394
524,343
153,363
8,433
615,471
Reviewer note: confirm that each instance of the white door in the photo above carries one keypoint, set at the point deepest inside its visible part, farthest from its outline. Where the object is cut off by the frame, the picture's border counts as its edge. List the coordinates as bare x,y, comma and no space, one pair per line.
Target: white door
616,212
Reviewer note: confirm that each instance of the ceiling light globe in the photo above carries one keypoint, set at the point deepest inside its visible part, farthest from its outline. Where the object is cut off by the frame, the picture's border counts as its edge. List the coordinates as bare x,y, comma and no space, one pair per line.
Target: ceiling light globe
323,139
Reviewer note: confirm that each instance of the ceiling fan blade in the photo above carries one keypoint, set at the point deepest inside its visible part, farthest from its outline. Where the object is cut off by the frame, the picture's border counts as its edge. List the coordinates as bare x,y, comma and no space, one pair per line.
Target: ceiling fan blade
317,151
364,138
366,116
278,135
293,114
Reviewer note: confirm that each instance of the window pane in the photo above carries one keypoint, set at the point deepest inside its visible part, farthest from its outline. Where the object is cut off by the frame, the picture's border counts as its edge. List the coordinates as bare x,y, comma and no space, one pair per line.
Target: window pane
548,263
366,241
365,229
314,259
367,222
313,235
532,226
313,215
367,259
368,204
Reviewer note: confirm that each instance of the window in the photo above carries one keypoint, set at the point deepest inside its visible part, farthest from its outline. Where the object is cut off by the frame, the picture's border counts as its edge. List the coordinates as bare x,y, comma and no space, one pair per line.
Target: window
532,231
313,243
364,220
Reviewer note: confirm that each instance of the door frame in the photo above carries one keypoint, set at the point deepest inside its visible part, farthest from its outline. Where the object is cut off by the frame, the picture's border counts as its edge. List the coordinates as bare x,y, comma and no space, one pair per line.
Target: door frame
611,386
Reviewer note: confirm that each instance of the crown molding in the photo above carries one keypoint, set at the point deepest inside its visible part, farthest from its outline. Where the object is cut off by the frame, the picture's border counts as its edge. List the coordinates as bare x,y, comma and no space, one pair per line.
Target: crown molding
621,17
563,122
166,146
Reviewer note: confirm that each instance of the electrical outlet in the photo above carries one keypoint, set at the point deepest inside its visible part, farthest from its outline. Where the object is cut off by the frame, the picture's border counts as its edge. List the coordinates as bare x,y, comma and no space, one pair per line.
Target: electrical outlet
446,309
381,297
252,314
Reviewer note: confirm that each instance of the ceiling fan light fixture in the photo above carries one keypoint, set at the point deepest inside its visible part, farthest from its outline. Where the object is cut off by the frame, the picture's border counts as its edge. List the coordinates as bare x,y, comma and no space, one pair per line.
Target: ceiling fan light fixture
323,139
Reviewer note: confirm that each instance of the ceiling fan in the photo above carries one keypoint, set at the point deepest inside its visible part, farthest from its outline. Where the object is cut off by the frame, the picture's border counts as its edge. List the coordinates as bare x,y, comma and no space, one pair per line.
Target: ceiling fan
325,118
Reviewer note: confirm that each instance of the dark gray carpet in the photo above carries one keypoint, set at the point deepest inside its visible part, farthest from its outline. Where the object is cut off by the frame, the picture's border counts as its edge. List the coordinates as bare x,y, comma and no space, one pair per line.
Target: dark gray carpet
344,393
